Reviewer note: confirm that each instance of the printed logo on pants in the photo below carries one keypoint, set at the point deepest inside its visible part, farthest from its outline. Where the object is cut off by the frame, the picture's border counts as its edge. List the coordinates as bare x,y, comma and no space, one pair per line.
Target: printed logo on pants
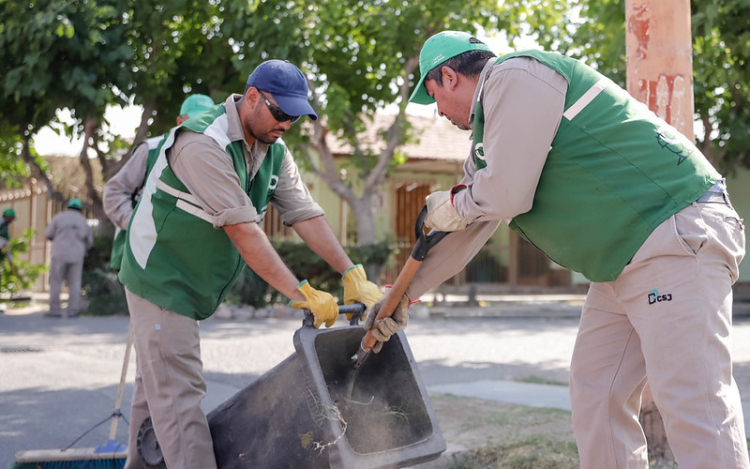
655,297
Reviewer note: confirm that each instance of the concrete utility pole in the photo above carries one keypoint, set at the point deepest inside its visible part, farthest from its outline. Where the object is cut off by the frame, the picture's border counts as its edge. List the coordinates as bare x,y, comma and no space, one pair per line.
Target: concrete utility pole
659,52
659,55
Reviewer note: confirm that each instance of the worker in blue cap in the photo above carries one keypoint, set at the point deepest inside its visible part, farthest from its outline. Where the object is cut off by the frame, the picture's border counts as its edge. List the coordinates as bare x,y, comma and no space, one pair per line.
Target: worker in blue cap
196,222
71,237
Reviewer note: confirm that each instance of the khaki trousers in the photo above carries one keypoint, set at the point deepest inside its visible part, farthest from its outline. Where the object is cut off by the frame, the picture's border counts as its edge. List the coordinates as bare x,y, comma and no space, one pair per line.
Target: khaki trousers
169,387
71,273
667,318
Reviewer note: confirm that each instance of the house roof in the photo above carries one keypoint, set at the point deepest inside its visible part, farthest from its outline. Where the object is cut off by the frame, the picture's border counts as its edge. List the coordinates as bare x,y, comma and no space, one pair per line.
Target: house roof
436,139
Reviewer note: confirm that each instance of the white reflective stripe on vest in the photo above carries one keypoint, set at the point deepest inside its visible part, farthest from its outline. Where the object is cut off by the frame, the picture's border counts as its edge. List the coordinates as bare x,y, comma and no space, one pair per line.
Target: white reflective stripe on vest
587,97
193,210
185,201
162,186
142,232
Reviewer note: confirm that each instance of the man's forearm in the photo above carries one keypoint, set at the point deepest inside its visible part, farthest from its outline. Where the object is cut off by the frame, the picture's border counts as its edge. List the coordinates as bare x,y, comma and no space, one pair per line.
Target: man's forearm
254,247
317,233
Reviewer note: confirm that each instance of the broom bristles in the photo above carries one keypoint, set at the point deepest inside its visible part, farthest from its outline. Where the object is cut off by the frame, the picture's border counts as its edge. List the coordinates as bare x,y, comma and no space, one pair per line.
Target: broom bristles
77,458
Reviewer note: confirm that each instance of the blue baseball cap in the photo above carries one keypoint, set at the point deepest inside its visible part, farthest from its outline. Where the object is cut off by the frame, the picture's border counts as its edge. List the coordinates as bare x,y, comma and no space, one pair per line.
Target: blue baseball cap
286,83
75,203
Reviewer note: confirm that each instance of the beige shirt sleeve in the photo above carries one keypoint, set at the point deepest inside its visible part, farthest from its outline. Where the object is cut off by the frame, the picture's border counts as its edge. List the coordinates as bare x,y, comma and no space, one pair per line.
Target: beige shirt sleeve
208,173
120,190
450,256
523,103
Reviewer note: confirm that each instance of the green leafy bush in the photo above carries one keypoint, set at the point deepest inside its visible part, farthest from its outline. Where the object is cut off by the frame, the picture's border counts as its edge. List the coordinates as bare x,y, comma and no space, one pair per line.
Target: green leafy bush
250,289
99,283
20,275
104,292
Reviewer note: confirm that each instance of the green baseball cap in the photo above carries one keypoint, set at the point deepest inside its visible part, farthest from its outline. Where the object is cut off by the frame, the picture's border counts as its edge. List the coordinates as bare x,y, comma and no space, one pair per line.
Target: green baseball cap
438,49
9,212
195,104
75,203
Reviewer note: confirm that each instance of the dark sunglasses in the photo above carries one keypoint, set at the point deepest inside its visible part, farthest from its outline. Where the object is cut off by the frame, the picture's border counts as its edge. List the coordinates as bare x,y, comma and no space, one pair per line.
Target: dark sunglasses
276,111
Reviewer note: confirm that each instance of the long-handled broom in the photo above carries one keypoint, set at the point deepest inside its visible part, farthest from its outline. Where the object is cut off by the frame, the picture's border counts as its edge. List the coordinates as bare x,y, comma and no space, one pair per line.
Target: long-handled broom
109,455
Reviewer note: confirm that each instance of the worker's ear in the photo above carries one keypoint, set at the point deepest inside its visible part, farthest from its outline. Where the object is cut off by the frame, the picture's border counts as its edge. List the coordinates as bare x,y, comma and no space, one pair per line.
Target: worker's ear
252,95
450,78
182,118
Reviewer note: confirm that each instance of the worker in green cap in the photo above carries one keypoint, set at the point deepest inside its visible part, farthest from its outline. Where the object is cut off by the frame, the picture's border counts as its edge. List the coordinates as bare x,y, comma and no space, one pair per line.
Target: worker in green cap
71,237
601,185
8,216
121,192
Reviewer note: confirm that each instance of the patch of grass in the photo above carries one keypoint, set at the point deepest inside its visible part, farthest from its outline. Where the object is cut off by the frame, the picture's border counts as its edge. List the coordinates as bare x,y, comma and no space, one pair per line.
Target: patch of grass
516,415
532,452
538,380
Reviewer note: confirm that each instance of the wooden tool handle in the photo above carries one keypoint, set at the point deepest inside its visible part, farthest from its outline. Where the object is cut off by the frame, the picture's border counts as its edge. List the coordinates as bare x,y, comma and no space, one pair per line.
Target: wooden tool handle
394,296
418,253
121,388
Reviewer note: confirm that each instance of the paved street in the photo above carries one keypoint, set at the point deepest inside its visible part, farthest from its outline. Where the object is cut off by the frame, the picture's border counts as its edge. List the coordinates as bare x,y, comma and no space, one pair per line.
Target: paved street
60,377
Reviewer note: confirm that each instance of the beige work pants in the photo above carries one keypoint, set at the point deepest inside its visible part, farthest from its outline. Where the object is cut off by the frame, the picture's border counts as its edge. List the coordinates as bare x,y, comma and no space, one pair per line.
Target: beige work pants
169,387
71,273
668,318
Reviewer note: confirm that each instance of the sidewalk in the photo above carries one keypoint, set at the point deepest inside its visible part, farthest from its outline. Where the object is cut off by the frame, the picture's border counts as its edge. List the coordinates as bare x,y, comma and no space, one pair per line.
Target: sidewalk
510,392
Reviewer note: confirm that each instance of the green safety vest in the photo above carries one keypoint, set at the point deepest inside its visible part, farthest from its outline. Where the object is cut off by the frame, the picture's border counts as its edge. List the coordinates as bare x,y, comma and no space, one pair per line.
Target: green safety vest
174,257
4,233
118,243
614,173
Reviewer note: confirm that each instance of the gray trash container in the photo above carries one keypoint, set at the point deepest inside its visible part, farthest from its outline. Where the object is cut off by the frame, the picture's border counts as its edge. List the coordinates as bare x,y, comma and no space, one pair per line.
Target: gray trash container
297,415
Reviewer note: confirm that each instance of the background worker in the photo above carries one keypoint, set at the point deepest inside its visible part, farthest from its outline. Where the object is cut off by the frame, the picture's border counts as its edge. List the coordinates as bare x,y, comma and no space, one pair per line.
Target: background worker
596,181
196,222
121,192
8,216
71,237
5,253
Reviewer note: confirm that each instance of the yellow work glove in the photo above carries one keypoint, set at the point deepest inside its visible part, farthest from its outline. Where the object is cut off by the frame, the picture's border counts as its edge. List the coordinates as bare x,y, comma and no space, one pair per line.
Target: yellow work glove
358,289
322,304
386,327
441,214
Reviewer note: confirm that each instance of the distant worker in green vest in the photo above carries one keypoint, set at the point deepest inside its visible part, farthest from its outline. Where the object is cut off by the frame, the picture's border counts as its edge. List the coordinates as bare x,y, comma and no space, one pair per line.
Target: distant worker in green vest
602,186
8,216
122,191
71,238
5,253
194,228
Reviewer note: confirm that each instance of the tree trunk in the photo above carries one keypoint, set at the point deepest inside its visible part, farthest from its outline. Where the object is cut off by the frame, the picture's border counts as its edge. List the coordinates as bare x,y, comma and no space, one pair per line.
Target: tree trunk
365,218
94,201
140,136
362,207
37,170
660,74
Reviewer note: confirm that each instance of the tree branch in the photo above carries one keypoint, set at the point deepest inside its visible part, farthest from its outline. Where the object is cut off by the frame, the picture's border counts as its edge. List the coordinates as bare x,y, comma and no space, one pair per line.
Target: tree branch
395,133
37,170
89,129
